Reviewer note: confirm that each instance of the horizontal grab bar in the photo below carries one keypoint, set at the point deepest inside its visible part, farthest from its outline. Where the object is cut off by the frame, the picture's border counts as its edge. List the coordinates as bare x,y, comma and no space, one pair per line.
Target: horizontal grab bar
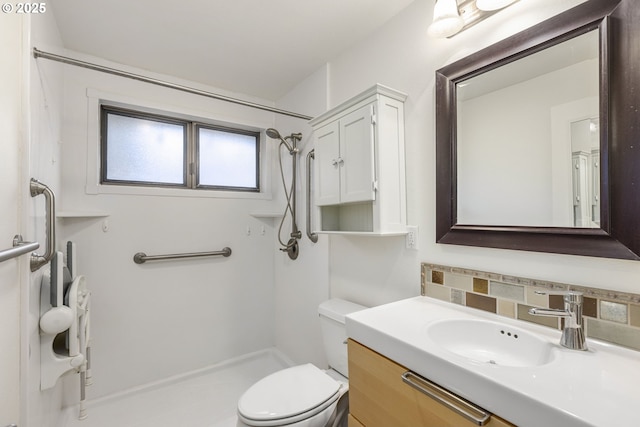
20,247
141,257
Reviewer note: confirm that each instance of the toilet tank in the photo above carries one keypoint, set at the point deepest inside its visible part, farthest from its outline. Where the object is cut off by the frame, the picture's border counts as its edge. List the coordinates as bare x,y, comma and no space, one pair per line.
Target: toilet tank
334,332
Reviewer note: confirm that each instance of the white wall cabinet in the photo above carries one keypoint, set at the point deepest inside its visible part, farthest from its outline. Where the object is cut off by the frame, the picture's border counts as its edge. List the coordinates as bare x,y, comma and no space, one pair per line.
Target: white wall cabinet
360,165
346,172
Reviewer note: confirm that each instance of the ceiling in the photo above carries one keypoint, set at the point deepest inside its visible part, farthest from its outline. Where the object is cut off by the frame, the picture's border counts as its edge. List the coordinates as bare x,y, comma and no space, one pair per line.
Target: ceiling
261,48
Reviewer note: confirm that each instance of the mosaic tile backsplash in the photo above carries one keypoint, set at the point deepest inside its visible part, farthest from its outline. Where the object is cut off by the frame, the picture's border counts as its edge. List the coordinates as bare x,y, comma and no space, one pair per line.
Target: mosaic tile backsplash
608,315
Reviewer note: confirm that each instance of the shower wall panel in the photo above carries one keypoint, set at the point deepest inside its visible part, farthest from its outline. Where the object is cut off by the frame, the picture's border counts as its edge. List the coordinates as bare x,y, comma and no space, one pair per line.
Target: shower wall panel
160,319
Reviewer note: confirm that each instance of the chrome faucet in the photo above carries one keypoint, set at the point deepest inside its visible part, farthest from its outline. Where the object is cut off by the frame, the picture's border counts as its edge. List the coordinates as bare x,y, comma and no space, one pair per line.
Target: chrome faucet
573,332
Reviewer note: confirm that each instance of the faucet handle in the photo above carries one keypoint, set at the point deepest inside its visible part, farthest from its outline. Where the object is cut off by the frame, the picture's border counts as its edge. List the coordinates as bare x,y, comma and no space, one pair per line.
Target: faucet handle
551,292
569,296
572,332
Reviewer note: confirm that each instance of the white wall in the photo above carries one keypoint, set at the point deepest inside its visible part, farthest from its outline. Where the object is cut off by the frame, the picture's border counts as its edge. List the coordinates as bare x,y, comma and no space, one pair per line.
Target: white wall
156,320
12,30
402,56
301,285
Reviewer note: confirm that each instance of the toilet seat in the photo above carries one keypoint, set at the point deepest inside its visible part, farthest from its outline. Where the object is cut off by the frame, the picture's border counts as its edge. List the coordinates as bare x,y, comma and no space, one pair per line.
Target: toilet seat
288,396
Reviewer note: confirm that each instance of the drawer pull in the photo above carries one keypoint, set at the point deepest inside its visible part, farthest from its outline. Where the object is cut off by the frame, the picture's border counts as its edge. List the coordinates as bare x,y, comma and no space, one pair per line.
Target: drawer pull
468,410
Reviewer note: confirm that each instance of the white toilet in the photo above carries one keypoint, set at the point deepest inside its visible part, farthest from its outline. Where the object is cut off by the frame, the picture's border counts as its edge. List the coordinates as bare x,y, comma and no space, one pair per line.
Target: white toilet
304,395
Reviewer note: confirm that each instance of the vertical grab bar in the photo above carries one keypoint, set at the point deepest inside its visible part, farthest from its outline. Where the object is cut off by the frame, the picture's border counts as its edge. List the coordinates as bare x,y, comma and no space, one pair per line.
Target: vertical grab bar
312,236
36,188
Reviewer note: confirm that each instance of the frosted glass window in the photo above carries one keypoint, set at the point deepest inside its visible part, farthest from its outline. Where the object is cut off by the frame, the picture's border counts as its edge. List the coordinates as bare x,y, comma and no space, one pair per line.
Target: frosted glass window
138,148
227,159
144,150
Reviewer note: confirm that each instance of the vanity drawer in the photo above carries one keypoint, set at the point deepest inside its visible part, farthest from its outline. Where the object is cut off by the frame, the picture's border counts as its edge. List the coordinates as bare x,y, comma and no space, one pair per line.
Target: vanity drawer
379,396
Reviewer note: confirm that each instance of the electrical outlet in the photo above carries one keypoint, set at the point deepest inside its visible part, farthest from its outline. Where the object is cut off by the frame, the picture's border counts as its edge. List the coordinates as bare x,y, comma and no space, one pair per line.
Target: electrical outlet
412,237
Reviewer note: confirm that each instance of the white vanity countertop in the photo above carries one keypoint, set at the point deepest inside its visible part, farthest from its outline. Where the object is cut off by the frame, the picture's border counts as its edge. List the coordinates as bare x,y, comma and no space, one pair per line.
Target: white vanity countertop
598,387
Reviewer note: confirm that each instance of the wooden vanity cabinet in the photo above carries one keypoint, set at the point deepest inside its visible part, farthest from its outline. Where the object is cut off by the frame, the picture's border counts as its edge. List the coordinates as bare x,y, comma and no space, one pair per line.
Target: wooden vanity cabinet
353,422
380,397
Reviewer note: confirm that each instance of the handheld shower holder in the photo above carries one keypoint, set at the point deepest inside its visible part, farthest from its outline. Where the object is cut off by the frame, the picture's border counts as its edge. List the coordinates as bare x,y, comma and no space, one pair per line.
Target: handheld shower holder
290,142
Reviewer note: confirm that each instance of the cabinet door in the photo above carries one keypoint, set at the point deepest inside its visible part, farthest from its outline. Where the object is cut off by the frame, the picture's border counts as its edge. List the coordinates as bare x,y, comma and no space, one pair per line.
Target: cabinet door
327,165
378,396
357,156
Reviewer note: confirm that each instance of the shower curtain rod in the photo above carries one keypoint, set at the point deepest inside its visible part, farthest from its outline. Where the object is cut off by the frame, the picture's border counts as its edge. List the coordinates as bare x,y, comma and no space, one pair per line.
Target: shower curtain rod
66,60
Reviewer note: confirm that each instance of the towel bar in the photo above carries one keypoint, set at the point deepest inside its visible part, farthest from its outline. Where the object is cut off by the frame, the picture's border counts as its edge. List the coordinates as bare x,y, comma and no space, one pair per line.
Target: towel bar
141,257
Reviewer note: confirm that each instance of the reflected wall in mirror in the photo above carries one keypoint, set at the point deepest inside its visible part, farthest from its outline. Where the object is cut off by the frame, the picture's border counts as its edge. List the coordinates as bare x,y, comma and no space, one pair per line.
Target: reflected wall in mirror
534,138
511,169
585,174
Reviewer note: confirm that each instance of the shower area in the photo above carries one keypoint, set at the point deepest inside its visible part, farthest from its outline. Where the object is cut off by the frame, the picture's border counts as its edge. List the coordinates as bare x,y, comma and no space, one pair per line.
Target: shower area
173,340
290,143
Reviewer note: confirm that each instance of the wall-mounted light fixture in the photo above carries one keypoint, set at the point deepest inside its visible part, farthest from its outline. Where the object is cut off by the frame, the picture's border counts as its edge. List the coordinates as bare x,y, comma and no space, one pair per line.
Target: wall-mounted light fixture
453,16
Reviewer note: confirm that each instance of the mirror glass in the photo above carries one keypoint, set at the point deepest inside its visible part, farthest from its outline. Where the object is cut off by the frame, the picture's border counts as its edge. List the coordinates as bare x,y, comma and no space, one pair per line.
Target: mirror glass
528,140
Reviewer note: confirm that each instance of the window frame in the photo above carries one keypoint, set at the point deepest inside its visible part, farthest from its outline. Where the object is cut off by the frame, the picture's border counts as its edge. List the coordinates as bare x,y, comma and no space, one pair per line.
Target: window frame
191,151
105,110
196,164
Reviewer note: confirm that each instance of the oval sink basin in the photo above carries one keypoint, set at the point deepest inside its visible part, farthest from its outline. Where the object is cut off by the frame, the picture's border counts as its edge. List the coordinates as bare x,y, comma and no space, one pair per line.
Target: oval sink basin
484,341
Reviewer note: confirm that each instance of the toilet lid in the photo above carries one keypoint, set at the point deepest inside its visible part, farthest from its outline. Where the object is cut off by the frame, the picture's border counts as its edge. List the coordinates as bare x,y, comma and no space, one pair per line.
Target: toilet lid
287,393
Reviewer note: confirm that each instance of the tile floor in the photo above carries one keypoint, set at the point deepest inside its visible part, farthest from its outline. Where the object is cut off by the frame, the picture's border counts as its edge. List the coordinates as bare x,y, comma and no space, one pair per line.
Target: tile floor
204,399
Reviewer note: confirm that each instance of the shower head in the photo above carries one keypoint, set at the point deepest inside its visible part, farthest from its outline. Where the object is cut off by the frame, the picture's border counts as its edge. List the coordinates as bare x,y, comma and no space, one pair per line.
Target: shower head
273,133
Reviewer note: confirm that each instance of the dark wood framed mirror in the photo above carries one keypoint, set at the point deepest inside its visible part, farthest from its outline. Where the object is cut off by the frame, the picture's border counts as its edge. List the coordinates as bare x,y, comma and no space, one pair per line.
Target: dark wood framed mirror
616,232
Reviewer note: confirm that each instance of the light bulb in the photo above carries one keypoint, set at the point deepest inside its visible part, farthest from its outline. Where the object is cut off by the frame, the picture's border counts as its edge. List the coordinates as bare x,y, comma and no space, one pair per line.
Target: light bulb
446,19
